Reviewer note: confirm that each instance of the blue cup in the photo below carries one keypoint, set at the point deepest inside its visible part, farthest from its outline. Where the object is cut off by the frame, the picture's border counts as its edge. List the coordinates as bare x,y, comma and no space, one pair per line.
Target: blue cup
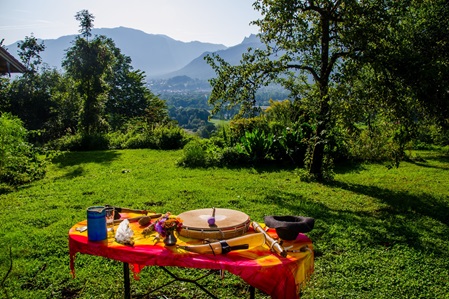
96,223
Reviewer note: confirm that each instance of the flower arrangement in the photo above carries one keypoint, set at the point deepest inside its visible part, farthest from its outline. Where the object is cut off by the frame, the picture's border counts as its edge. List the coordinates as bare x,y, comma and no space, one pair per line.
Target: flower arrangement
168,224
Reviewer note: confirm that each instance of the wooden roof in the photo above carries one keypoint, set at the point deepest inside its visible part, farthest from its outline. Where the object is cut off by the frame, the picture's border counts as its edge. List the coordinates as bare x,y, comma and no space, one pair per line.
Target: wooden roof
9,64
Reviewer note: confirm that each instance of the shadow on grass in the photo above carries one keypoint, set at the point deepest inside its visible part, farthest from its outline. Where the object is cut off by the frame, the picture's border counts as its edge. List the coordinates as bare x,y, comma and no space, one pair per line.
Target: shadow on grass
77,172
424,163
77,158
402,202
403,221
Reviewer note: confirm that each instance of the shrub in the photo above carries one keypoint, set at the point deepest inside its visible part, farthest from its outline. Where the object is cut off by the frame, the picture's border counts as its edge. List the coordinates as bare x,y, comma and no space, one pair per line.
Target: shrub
209,153
193,155
239,127
79,142
384,142
20,161
257,144
290,143
143,140
170,137
96,141
231,156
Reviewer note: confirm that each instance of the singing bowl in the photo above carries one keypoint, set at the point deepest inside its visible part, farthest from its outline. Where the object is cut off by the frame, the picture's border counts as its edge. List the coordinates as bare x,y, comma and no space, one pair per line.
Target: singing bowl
289,227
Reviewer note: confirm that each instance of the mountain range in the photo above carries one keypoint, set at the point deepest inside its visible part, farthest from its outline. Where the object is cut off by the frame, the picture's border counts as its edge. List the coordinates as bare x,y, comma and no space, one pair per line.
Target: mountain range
159,56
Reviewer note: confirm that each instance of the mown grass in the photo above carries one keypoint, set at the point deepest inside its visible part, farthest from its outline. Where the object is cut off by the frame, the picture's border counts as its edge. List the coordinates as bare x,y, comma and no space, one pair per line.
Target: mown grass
379,233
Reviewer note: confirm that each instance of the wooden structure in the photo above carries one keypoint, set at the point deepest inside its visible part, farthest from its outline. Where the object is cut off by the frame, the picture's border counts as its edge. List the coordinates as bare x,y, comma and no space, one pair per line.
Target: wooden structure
9,64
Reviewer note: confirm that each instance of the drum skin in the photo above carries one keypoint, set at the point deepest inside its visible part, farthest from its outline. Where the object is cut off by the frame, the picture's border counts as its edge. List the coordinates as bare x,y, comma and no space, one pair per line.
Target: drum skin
228,224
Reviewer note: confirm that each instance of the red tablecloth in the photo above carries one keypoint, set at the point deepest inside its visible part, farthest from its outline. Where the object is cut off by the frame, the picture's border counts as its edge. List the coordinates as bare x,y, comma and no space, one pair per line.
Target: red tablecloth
279,277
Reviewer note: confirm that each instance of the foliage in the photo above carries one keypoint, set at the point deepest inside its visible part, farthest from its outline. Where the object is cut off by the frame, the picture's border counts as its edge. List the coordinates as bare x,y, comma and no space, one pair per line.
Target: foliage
270,137
412,57
20,162
212,153
88,63
29,53
112,92
207,130
128,96
239,126
86,20
332,55
170,137
193,155
143,140
65,109
29,98
190,118
99,92
290,144
256,144
4,86
44,99
80,142
307,37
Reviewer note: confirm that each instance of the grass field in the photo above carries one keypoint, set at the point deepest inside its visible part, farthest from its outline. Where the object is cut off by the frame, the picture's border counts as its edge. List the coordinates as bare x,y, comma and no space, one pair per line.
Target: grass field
379,233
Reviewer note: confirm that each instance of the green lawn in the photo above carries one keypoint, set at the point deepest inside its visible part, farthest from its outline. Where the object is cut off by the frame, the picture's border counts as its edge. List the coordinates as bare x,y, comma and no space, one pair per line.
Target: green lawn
379,233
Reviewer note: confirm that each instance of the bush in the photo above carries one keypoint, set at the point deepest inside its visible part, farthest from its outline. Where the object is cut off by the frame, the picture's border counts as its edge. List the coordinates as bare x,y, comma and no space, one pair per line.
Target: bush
171,137
239,127
384,142
210,153
231,156
79,142
256,144
20,161
143,140
290,143
193,155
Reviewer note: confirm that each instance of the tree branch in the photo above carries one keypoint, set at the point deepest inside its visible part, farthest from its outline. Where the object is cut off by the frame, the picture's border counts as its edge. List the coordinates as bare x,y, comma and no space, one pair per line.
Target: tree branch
306,68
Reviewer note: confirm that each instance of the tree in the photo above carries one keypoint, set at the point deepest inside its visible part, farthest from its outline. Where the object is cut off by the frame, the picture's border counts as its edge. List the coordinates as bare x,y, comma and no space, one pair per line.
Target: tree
128,96
413,58
86,20
111,90
307,45
89,63
29,96
66,107
29,53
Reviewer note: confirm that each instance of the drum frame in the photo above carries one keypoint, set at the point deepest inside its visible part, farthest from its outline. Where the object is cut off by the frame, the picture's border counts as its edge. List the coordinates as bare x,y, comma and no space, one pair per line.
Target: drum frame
216,232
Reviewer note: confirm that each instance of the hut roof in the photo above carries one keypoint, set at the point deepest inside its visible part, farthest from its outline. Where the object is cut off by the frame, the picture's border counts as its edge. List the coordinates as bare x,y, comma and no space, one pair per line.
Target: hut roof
9,64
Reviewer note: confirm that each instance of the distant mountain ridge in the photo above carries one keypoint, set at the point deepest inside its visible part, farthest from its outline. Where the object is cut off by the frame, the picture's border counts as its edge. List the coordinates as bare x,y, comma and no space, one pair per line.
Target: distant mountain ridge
199,69
155,54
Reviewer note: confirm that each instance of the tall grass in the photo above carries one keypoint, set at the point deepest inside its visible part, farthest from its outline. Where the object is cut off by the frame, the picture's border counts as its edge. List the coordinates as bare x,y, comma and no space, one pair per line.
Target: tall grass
379,233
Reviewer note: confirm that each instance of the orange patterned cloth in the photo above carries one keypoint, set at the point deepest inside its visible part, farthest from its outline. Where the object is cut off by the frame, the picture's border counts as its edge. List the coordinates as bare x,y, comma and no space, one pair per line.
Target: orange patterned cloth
279,277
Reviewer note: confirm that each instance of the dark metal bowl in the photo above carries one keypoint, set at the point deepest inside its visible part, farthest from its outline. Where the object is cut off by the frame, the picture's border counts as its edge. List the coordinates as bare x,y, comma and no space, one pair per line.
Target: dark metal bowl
289,227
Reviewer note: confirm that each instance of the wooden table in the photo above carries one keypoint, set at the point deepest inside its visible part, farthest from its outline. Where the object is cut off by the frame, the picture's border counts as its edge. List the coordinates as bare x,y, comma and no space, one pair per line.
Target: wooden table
279,277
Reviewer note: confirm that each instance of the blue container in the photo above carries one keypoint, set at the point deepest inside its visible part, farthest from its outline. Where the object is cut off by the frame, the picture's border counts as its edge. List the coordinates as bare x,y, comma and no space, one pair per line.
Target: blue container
96,223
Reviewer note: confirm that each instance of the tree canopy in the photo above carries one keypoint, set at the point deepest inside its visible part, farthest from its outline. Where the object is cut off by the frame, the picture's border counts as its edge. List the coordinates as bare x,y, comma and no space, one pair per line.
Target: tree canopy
312,48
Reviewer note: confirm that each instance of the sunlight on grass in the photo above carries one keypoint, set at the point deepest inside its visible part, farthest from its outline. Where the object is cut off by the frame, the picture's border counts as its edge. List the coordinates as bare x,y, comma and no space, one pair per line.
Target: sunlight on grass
379,233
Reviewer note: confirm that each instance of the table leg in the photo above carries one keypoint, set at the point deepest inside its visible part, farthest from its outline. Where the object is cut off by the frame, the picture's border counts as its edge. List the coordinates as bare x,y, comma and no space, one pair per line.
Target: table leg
126,283
252,292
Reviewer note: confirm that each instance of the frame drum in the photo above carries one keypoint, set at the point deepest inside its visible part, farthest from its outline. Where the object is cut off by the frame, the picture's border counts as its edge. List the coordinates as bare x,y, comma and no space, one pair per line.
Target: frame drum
228,224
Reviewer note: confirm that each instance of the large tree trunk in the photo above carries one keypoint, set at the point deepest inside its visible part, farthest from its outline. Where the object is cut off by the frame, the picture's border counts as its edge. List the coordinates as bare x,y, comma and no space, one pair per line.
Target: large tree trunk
316,165
323,118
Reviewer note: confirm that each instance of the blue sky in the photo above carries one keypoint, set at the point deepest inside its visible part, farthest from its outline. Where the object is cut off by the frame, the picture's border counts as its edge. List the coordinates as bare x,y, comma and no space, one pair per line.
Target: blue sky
216,21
